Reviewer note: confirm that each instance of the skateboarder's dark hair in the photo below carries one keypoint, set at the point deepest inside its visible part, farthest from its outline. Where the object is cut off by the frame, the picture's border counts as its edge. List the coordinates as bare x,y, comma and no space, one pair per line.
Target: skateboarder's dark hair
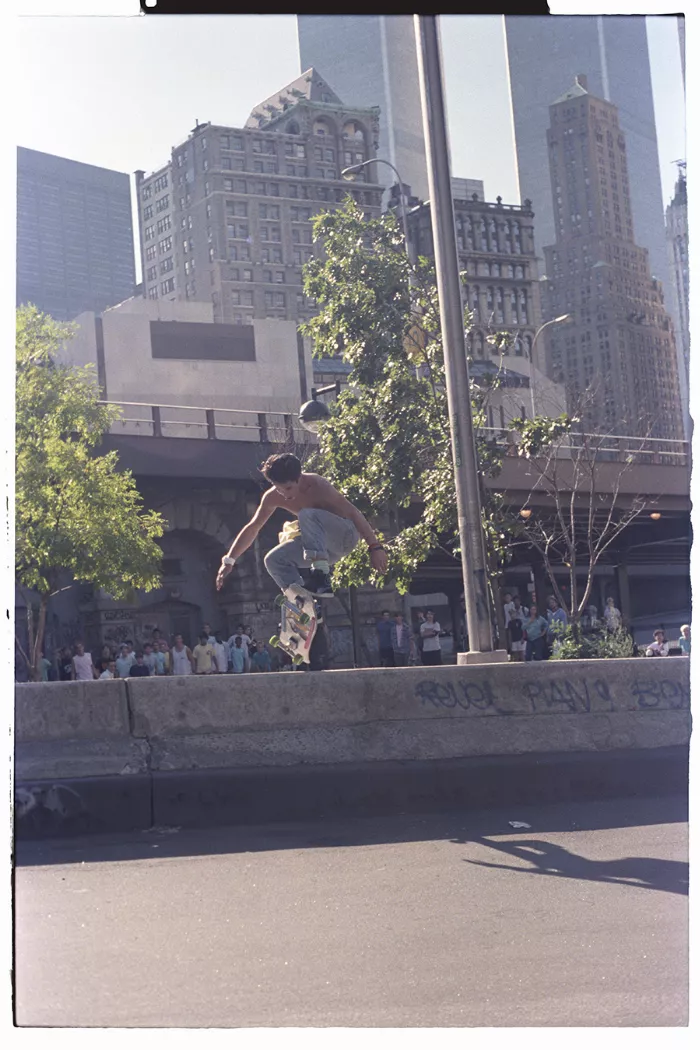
281,468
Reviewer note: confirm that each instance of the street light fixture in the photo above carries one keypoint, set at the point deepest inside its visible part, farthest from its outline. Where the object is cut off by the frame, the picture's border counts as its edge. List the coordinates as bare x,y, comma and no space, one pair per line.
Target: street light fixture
563,319
314,412
355,169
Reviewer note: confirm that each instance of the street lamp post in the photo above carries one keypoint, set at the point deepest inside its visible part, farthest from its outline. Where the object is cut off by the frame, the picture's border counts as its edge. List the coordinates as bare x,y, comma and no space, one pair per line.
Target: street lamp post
471,536
563,319
347,173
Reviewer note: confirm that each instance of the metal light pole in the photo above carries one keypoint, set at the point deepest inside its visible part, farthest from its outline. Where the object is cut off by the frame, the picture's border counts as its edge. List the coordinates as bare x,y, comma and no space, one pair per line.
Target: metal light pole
353,170
471,535
564,319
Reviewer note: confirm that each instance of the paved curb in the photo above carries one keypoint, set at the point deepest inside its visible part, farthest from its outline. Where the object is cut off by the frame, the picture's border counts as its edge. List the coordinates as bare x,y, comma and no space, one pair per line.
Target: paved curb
215,797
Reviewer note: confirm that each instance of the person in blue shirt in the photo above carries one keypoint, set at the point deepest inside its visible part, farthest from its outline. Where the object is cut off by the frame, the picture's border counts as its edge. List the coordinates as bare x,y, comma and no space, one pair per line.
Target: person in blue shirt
261,660
556,619
535,628
238,655
385,630
684,640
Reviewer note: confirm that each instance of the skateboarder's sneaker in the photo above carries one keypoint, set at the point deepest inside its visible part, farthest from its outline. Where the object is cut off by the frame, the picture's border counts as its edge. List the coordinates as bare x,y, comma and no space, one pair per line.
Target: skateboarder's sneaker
319,584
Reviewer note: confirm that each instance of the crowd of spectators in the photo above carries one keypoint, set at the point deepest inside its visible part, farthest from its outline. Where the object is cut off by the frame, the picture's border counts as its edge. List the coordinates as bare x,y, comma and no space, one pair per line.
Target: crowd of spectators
241,653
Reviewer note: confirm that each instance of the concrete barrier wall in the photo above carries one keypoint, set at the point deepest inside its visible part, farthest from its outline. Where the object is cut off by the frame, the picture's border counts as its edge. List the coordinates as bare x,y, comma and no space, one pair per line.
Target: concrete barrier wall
167,724
111,756
74,729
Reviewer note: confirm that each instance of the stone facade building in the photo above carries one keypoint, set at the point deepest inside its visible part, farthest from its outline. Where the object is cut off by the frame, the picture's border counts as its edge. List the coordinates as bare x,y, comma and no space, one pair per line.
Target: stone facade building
228,219
495,242
621,342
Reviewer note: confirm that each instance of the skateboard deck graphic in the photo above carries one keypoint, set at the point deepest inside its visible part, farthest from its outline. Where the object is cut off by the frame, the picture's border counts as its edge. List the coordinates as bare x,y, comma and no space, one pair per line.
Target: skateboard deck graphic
299,620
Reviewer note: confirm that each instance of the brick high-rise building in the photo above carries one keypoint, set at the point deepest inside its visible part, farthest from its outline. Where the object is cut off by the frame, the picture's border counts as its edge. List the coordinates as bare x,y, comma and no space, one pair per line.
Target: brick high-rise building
228,219
75,244
621,339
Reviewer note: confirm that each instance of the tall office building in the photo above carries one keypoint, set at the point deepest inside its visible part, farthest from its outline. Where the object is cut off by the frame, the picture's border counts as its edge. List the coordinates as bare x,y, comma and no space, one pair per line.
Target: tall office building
620,344
370,60
544,54
75,245
228,219
677,238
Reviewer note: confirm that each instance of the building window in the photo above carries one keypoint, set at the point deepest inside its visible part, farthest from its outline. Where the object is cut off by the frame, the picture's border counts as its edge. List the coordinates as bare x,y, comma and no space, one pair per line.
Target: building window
235,298
153,293
152,273
163,203
149,233
167,265
247,275
228,185
151,251
165,246
148,211
279,277
145,193
161,183
164,224
168,286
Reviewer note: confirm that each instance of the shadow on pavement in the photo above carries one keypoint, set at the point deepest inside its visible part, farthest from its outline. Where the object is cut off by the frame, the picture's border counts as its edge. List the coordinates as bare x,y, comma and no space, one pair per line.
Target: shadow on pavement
548,858
457,826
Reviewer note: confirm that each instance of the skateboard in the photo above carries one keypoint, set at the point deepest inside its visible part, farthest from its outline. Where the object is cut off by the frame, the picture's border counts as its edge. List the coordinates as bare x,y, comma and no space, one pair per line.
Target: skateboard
297,629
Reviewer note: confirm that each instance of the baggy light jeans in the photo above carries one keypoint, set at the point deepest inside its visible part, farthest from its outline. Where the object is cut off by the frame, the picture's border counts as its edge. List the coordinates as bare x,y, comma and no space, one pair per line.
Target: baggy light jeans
324,536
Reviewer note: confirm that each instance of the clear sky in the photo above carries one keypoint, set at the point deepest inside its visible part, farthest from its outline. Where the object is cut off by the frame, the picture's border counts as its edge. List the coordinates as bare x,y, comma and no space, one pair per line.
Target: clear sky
121,91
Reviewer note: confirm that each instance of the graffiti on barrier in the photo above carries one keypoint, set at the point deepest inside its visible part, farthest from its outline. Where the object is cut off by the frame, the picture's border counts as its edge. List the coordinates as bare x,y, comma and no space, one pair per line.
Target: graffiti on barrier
540,697
675,695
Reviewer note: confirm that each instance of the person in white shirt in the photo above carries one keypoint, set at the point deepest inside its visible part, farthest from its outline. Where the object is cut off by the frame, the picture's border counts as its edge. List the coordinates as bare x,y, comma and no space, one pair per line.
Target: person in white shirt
430,633
659,647
245,644
515,622
181,657
149,658
110,671
221,653
507,608
83,665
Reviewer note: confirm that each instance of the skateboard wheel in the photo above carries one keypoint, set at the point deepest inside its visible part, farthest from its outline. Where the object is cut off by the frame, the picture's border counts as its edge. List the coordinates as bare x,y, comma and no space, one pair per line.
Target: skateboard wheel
304,618
280,600
275,640
298,659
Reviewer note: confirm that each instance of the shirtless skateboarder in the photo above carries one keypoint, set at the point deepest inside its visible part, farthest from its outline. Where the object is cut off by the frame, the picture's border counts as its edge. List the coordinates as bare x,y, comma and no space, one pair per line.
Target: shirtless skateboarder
329,528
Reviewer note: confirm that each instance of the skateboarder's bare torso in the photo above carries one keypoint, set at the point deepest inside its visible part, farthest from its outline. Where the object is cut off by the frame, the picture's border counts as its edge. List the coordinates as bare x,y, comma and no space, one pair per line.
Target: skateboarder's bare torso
311,491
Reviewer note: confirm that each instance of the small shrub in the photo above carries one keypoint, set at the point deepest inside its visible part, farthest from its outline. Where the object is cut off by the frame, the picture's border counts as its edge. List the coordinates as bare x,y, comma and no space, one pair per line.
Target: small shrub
572,644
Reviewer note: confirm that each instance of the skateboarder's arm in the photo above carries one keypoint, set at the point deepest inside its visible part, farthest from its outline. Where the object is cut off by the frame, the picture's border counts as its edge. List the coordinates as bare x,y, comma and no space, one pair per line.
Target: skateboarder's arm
246,537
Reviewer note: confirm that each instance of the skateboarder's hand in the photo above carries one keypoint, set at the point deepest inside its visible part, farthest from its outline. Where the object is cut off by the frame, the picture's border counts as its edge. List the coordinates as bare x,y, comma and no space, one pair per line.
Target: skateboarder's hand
224,571
378,560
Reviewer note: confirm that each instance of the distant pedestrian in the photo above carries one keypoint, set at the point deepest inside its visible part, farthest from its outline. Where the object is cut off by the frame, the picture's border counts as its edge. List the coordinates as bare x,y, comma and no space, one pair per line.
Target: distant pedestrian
556,619
149,658
203,656
262,660
384,628
659,647
164,659
612,615
535,628
84,670
401,638
44,668
125,661
246,639
684,640
206,629
238,655
110,670
181,657
515,627
430,633
220,648
65,666
139,668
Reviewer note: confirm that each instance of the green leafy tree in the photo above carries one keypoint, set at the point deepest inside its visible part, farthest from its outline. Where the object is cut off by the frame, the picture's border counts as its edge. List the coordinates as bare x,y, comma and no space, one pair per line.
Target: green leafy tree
387,443
76,512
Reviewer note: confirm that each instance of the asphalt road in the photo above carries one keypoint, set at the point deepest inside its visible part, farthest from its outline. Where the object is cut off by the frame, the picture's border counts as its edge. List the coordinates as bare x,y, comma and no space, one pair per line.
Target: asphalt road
438,921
